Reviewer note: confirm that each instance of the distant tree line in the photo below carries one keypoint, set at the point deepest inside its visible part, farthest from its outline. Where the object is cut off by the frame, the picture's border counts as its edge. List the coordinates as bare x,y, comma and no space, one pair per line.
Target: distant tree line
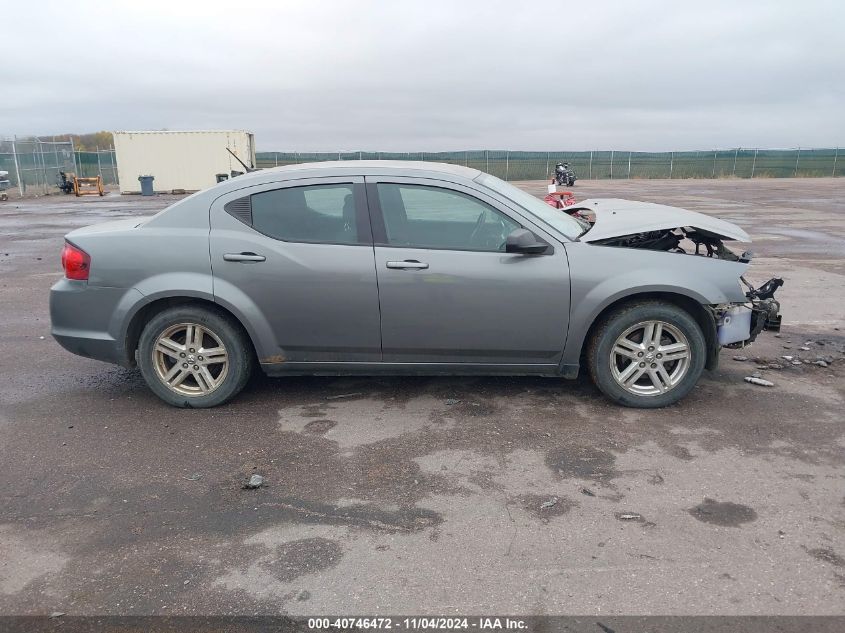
85,142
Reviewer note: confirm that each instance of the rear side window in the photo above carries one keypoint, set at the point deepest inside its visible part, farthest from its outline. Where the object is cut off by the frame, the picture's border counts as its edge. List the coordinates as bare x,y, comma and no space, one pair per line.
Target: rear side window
318,213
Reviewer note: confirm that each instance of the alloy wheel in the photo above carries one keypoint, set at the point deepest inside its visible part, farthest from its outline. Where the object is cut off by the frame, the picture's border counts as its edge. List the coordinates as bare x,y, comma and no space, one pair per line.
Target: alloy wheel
650,358
190,359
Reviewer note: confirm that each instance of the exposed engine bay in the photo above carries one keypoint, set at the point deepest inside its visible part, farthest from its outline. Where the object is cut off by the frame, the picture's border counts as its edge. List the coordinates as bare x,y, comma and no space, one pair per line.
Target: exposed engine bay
737,324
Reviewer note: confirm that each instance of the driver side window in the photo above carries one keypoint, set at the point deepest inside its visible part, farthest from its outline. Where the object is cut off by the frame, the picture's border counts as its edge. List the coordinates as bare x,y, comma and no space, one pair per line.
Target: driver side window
419,216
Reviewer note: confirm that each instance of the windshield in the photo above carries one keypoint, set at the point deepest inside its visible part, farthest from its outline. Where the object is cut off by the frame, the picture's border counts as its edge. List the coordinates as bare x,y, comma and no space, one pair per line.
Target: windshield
559,220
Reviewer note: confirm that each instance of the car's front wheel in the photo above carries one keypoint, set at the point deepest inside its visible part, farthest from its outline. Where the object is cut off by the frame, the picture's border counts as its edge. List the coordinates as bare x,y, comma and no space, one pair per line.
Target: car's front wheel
647,355
194,357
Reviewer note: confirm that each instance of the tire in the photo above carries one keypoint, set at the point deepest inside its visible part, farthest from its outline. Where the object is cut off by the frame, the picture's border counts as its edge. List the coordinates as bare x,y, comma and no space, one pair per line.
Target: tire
632,372
196,380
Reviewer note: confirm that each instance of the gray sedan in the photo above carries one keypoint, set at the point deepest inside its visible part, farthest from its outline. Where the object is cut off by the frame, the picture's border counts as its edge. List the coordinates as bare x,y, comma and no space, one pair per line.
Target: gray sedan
378,267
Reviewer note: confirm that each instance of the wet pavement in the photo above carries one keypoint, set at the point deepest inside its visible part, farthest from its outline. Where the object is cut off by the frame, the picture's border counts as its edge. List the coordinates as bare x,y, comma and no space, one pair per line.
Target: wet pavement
433,495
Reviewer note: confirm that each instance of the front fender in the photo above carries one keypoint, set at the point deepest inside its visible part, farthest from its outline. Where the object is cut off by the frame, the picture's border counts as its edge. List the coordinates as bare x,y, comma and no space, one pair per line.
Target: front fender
602,276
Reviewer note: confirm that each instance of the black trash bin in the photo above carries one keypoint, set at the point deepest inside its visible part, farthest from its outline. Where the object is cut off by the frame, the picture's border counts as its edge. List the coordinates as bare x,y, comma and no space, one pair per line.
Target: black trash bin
146,185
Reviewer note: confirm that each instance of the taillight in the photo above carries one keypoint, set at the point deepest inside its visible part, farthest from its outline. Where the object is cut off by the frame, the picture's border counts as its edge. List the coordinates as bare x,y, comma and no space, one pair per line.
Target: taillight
76,262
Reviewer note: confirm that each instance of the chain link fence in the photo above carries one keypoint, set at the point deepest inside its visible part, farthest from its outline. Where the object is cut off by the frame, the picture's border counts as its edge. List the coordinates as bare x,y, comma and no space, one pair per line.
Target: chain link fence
599,165
34,165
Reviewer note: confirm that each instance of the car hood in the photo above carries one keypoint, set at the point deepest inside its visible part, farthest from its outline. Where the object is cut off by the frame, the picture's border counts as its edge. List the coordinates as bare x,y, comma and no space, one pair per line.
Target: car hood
615,218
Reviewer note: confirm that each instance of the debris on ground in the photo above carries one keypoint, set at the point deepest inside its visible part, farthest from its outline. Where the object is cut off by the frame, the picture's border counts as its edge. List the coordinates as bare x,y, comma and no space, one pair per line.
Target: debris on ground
452,401
741,359
796,362
820,363
551,503
756,374
344,395
629,516
759,381
787,357
255,481
588,492
194,477
804,348
56,614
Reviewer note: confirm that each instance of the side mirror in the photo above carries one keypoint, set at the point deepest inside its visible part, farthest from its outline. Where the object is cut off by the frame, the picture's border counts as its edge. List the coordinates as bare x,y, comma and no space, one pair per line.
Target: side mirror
523,241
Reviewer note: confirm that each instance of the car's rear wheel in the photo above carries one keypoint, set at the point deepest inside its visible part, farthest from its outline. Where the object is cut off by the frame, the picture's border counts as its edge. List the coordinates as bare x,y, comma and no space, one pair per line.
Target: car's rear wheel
647,355
194,357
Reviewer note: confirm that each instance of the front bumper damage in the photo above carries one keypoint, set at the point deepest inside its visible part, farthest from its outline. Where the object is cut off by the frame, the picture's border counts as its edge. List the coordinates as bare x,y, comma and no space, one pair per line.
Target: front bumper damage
738,325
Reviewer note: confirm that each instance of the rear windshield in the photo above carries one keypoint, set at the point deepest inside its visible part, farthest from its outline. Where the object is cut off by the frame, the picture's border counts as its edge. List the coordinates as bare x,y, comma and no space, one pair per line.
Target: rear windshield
555,217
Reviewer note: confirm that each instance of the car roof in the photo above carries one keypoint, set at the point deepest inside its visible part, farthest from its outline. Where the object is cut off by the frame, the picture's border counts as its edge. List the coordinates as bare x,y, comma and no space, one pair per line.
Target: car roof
359,167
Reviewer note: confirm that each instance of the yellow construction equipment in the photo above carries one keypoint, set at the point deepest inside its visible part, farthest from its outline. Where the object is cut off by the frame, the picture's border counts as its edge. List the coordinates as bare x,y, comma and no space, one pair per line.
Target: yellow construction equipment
88,186
68,182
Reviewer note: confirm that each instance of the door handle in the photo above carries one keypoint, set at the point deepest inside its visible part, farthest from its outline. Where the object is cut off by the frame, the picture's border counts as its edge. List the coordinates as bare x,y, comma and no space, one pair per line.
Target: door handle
408,264
243,257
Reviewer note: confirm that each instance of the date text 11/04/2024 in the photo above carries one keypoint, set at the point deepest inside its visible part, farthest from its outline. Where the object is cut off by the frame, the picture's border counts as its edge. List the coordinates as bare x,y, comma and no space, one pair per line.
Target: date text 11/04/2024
419,623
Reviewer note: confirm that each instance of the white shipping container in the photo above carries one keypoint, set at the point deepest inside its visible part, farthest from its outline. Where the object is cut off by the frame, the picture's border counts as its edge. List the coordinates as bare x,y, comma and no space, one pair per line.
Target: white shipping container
180,160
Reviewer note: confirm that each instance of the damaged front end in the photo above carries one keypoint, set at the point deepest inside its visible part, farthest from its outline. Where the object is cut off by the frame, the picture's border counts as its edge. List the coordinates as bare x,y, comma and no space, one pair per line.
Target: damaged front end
641,225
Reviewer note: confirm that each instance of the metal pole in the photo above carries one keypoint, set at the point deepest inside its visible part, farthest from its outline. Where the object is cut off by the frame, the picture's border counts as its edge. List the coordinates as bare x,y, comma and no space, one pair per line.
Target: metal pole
629,165
548,158
715,152
56,152
466,158
99,166
591,164
835,156
487,158
17,167
736,151
797,158
73,155
114,178
360,155
753,163
507,163
40,147
611,164
671,164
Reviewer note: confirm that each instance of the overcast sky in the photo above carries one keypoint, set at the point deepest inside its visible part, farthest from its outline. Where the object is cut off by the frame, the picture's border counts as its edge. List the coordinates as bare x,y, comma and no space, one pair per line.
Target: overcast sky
432,74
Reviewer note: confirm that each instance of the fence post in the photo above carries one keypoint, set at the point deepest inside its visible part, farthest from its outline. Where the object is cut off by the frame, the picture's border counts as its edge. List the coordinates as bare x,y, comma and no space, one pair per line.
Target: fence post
736,151
548,158
56,152
115,179
487,158
715,153
754,163
611,164
835,156
797,158
671,164
73,155
507,163
591,164
99,166
629,165
17,167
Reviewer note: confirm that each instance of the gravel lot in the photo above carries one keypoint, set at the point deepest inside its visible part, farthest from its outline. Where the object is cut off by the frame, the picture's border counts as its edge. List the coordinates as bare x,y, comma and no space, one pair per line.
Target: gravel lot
432,495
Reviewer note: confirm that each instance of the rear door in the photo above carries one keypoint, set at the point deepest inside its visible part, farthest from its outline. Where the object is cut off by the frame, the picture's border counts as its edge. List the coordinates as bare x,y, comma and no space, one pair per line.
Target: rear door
298,256
448,291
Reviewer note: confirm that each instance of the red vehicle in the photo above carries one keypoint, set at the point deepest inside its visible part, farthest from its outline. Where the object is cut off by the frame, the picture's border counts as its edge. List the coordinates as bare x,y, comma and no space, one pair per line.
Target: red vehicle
560,199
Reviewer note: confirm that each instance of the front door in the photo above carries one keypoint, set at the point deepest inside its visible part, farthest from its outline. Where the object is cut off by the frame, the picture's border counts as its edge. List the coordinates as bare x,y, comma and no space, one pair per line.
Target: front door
449,292
298,256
